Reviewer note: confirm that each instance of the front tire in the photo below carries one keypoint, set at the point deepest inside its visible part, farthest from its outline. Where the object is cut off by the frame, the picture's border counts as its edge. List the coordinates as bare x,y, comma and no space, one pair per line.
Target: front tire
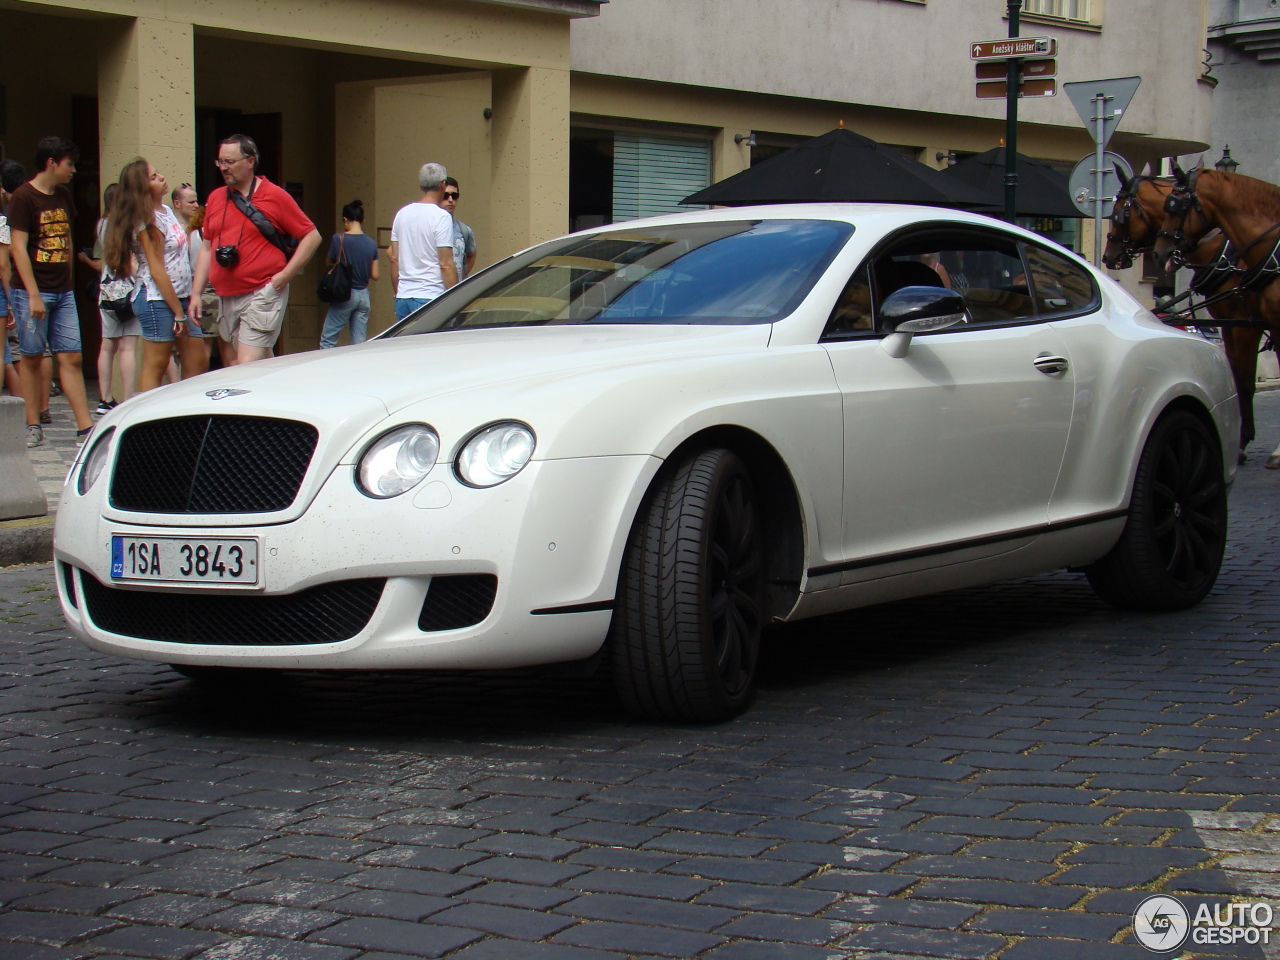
686,628
1171,550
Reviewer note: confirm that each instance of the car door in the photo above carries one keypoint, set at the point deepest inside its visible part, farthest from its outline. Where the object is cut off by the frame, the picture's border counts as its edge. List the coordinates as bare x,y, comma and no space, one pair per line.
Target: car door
952,451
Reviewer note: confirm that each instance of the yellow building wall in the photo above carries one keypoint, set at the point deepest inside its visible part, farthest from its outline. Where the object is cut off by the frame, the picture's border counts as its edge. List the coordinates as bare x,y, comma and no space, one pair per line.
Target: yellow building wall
391,128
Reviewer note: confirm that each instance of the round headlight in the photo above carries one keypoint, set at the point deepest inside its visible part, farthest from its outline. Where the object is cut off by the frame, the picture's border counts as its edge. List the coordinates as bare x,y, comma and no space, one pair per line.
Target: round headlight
495,453
94,462
398,460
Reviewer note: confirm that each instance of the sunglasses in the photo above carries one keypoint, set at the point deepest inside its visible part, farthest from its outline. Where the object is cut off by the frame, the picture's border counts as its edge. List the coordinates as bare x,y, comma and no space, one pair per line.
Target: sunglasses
451,196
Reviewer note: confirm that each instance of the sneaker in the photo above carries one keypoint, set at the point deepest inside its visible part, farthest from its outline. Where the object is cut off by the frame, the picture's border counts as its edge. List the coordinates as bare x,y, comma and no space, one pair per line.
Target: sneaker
83,435
104,407
55,389
46,416
35,435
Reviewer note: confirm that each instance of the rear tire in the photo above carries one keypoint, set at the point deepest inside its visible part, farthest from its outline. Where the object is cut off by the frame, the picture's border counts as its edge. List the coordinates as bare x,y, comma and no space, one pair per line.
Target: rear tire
685,637
1171,550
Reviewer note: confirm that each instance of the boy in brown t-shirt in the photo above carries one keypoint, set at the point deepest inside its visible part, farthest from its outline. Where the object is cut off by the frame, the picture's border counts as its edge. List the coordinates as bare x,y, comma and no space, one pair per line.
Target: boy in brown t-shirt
41,214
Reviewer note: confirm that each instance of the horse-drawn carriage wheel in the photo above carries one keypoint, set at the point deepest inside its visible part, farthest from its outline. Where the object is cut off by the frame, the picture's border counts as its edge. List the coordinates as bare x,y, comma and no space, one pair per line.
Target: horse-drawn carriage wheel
1169,554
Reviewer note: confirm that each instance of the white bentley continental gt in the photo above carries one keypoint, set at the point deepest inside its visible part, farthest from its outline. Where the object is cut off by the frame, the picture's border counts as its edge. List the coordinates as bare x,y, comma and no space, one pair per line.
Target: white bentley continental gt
643,444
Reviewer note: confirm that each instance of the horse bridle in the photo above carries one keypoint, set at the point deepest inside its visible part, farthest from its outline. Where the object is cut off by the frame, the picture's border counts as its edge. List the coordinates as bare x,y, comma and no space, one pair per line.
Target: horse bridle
1126,203
1182,200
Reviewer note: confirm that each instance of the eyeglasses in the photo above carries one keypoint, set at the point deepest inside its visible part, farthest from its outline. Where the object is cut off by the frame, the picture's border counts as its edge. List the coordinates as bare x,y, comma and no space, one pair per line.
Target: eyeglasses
223,164
450,196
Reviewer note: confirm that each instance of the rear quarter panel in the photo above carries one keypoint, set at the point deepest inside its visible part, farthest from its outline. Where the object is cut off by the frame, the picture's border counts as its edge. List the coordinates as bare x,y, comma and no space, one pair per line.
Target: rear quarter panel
1129,369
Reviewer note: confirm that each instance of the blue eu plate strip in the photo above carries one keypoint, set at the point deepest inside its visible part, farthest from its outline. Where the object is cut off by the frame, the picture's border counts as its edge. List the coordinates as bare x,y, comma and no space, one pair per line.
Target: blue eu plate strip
117,557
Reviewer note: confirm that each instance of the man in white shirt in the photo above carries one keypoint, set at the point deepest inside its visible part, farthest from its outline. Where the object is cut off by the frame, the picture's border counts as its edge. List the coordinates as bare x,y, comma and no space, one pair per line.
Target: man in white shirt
421,251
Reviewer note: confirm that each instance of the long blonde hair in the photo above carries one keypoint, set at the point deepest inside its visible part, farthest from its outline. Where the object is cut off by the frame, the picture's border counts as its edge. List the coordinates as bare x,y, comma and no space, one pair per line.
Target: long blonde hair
134,205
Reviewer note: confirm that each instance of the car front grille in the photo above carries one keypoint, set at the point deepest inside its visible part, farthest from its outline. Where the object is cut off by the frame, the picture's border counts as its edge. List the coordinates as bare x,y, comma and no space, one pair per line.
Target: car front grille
212,464
328,613
457,601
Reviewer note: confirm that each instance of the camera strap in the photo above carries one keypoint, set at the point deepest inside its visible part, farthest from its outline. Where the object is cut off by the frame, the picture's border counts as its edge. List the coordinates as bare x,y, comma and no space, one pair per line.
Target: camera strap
283,242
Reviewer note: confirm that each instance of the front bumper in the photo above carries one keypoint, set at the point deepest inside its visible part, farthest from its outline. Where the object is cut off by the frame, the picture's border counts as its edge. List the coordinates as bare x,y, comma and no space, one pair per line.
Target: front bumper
553,537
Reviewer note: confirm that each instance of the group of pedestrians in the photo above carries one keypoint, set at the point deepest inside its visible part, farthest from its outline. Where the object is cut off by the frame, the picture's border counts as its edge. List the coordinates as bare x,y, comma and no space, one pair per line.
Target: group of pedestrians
430,251
177,275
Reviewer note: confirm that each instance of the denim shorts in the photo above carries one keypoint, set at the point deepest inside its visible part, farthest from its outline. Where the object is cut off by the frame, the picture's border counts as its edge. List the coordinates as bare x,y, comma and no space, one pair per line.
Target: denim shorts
59,331
155,317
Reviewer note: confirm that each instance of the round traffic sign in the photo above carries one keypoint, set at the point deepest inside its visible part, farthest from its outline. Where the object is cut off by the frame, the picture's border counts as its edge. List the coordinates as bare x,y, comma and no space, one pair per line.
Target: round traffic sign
1083,183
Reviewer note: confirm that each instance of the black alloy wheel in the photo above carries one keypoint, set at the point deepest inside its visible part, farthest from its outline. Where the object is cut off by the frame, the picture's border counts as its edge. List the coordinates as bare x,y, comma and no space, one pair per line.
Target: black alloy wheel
1171,550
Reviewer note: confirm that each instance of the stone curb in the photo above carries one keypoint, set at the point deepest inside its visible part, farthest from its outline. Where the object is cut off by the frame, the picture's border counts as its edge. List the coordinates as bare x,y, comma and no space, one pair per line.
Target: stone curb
26,541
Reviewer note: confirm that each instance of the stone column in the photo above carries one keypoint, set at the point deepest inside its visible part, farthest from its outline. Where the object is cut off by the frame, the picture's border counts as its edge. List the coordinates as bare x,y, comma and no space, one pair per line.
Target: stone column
727,156
146,98
530,131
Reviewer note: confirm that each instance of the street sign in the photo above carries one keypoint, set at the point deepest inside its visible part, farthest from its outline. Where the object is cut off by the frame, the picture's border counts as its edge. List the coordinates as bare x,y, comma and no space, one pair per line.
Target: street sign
1083,185
996,70
1013,47
1101,103
996,89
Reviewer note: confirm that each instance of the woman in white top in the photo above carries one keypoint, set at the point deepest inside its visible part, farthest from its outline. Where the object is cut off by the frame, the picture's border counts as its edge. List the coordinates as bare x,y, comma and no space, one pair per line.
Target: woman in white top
143,226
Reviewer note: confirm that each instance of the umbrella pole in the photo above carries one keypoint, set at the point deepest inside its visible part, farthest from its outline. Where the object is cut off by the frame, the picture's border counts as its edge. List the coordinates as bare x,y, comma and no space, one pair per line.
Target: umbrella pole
1012,80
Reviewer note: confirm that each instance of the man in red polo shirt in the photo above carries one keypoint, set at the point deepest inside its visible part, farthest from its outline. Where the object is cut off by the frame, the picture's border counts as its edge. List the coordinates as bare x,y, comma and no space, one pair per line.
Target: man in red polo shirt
249,257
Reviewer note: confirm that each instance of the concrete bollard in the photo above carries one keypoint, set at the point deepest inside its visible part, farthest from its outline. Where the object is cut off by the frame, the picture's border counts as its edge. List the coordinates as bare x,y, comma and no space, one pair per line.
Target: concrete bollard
20,494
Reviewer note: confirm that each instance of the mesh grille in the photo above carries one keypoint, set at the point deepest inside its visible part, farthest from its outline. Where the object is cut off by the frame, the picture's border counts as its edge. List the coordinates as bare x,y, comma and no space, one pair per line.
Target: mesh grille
326,613
458,601
212,464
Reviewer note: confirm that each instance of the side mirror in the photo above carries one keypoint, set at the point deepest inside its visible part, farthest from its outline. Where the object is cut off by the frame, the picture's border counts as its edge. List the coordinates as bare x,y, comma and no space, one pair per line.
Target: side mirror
913,310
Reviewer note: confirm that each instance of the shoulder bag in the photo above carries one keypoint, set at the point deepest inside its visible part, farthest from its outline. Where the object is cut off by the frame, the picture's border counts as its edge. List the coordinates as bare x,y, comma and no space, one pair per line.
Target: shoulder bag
335,285
282,241
115,294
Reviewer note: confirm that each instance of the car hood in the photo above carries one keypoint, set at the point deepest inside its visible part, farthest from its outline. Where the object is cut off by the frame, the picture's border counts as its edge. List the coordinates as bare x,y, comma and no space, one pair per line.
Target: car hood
400,371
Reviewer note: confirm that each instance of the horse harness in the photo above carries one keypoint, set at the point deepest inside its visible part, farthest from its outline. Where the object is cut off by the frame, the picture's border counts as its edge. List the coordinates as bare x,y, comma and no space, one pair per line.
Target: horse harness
1181,200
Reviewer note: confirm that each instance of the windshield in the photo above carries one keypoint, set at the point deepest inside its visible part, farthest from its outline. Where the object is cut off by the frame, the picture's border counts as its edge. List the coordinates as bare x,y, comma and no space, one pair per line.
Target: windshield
742,271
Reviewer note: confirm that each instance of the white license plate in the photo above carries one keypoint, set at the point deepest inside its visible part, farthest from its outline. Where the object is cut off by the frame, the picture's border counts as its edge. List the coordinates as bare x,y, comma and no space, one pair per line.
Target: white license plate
184,559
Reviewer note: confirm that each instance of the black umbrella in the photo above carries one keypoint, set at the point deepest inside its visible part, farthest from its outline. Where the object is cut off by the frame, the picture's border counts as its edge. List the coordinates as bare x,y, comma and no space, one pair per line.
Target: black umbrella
844,166
1042,190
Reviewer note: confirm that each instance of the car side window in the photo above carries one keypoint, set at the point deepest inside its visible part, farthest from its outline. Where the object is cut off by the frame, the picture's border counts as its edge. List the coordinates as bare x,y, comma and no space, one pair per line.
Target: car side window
852,315
984,268
1061,286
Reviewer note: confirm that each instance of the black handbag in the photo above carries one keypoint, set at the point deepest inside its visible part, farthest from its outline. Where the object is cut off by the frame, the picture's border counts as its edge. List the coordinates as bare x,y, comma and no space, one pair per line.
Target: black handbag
335,285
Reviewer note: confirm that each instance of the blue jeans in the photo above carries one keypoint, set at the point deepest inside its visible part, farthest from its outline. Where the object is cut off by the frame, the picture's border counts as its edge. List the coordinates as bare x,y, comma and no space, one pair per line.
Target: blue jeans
59,331
406,305
355,311
155,317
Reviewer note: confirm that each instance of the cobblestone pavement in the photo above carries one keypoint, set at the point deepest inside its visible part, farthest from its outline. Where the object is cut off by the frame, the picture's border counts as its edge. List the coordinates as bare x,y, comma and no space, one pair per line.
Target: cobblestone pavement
52,459
1002,772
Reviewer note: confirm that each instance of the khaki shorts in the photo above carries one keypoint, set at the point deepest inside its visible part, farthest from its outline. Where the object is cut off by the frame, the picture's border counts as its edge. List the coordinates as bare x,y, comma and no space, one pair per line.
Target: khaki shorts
253,319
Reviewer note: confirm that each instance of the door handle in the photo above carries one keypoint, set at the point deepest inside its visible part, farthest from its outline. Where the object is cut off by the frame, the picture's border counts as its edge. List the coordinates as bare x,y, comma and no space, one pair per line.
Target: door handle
1051,366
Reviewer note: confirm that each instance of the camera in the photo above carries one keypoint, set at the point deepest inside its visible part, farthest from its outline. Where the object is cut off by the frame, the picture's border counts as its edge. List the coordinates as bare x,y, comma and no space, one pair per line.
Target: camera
227,256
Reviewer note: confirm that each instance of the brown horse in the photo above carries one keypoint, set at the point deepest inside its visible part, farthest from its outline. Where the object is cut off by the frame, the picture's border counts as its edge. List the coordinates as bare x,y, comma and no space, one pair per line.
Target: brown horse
1136,219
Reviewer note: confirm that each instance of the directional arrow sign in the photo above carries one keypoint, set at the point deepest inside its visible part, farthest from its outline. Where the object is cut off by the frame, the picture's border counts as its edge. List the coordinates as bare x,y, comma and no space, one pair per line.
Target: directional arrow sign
1104,100
997,70
996,89
1013,47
